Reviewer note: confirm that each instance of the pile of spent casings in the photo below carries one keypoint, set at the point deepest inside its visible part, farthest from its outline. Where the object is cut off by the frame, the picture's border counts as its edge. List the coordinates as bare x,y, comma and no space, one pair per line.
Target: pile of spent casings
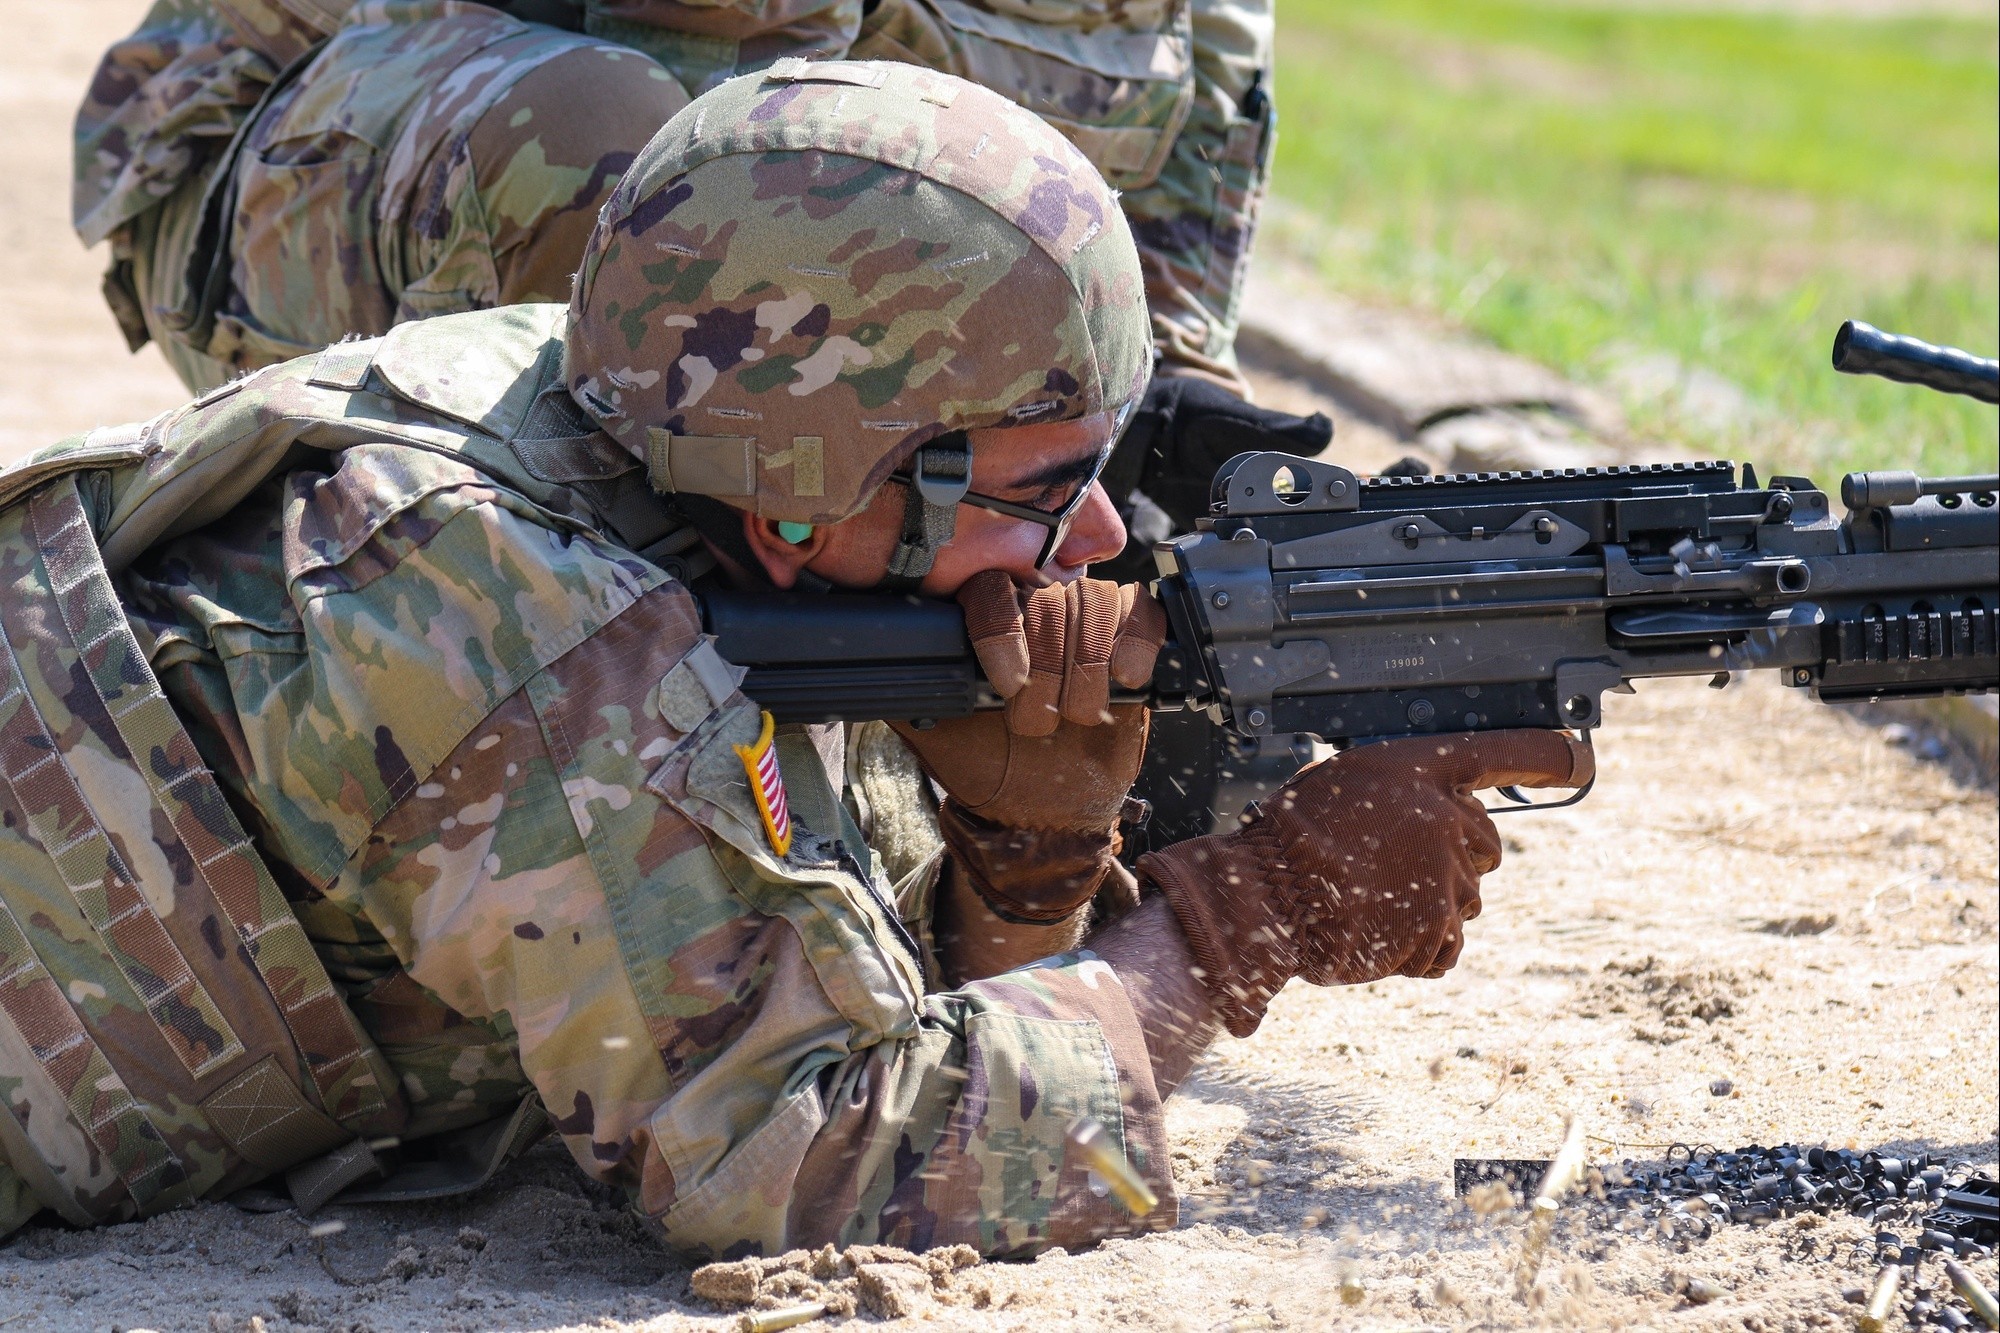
1956,1215
1697,1189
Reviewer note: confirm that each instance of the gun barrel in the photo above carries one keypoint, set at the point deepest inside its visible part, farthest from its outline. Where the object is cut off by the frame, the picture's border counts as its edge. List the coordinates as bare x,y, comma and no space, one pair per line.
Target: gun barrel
1863,349
834,657
1876,490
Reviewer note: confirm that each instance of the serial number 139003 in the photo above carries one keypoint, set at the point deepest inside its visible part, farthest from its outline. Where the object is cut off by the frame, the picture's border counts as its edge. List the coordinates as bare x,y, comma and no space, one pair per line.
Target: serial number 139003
1380,659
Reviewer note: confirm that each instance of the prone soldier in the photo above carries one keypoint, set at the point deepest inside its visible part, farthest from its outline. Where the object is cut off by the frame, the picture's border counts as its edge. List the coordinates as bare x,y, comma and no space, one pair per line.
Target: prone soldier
275,175
368,775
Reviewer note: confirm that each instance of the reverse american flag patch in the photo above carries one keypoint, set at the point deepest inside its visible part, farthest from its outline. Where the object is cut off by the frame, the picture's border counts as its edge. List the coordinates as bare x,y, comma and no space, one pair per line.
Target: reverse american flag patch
767,784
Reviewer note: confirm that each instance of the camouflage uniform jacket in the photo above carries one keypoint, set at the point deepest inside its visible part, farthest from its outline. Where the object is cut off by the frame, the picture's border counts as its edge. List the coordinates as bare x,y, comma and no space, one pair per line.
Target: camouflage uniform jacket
1169,98
491,759
432,156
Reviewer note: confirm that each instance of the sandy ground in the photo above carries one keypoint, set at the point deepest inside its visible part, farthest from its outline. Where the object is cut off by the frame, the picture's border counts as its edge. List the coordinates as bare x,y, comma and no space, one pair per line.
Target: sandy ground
1826,899
63,364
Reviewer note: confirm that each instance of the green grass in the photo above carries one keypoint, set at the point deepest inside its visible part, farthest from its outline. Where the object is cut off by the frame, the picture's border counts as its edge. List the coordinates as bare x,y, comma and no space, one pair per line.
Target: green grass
1599,185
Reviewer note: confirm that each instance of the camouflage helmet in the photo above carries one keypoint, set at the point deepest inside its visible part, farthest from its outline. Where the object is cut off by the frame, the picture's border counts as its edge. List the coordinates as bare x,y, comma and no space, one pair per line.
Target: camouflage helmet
811,273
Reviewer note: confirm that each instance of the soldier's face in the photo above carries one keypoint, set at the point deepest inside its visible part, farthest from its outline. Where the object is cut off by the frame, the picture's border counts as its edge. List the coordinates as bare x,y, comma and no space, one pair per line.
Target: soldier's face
1040,466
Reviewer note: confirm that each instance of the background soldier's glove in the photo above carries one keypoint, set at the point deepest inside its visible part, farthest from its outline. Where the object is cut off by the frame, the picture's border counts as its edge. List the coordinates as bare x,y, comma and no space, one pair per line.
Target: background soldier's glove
1184,429
1034,793
1361,867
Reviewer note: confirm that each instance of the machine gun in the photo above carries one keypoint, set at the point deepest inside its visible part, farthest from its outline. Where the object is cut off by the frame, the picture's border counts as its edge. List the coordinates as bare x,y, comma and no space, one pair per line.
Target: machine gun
1315,601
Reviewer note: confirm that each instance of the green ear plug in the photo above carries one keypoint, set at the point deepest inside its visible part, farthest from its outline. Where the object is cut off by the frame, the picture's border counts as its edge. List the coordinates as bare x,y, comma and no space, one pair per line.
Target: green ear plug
794,532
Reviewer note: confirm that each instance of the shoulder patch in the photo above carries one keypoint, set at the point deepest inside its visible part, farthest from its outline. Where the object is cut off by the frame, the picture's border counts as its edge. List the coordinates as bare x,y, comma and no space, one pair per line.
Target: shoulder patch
767,786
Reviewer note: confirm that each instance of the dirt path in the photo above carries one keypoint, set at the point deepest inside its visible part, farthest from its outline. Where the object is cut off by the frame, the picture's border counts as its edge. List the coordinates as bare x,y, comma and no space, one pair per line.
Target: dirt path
1760,891
63,364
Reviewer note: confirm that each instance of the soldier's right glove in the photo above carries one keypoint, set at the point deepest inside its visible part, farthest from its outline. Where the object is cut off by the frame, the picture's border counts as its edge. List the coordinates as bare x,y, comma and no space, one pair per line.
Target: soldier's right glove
1363,866
1035,792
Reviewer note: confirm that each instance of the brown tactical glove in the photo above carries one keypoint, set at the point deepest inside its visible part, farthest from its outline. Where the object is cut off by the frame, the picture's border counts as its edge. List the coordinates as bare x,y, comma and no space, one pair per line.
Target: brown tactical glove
1035,792
1361,867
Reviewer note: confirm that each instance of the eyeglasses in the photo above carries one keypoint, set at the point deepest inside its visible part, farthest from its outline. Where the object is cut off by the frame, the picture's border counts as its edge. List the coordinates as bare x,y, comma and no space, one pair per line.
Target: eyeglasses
1057,521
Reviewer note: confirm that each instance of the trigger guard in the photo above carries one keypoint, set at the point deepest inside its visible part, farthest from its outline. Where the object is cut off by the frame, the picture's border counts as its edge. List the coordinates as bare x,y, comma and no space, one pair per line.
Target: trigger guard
1523,802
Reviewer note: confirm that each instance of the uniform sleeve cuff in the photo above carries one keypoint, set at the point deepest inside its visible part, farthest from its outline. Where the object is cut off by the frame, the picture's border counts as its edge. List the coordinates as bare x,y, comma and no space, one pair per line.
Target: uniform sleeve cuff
1082,988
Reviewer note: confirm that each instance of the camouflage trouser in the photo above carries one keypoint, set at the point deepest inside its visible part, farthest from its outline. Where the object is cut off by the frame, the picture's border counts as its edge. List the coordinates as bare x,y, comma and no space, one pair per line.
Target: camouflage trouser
439,157
1195,223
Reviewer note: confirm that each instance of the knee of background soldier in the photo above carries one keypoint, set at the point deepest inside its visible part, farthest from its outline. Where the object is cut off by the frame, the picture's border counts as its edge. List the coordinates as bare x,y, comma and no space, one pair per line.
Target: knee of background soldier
549,153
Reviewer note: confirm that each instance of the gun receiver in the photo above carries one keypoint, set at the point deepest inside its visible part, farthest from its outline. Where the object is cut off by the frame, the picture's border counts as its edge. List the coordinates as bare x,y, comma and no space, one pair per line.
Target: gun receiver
1406,605
1313,601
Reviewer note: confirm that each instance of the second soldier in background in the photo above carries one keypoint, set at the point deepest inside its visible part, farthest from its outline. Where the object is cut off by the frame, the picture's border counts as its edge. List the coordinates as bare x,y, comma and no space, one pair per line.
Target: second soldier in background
277,174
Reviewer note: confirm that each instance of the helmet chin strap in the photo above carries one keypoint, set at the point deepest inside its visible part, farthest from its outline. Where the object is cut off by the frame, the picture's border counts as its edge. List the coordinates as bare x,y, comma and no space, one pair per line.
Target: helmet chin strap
941,475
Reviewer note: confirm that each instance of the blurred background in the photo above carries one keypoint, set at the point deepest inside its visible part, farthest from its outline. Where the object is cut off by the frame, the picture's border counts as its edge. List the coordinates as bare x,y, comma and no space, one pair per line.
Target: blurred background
1675,202
1672,202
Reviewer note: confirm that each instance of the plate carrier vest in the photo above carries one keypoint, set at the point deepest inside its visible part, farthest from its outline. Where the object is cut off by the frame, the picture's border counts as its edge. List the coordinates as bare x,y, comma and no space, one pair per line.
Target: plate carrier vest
167,1032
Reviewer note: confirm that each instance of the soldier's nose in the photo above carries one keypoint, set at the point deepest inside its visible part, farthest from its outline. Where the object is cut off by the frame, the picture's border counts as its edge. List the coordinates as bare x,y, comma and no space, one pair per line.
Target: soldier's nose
1096,534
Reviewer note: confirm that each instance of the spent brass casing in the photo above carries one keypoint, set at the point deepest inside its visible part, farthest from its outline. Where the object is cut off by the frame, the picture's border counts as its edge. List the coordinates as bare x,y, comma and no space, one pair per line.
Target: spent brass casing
1567,1169
1875,1315
1093,1143
771,1321
1975,1292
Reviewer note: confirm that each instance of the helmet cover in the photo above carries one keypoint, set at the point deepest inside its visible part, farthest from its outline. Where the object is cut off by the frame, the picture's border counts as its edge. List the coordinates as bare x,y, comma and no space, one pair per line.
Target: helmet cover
811,272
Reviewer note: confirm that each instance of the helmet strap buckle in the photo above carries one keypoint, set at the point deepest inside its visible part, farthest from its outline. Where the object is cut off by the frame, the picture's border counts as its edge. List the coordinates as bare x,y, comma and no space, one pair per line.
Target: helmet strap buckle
943,470
941,475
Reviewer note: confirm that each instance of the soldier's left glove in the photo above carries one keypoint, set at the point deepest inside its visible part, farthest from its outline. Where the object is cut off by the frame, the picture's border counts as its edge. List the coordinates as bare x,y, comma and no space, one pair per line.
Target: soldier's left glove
1034,794
1363,866
1184,429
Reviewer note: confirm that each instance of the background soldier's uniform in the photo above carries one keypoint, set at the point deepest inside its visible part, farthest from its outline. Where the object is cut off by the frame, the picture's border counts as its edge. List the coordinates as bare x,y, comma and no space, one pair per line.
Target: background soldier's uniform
268,191
437,155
